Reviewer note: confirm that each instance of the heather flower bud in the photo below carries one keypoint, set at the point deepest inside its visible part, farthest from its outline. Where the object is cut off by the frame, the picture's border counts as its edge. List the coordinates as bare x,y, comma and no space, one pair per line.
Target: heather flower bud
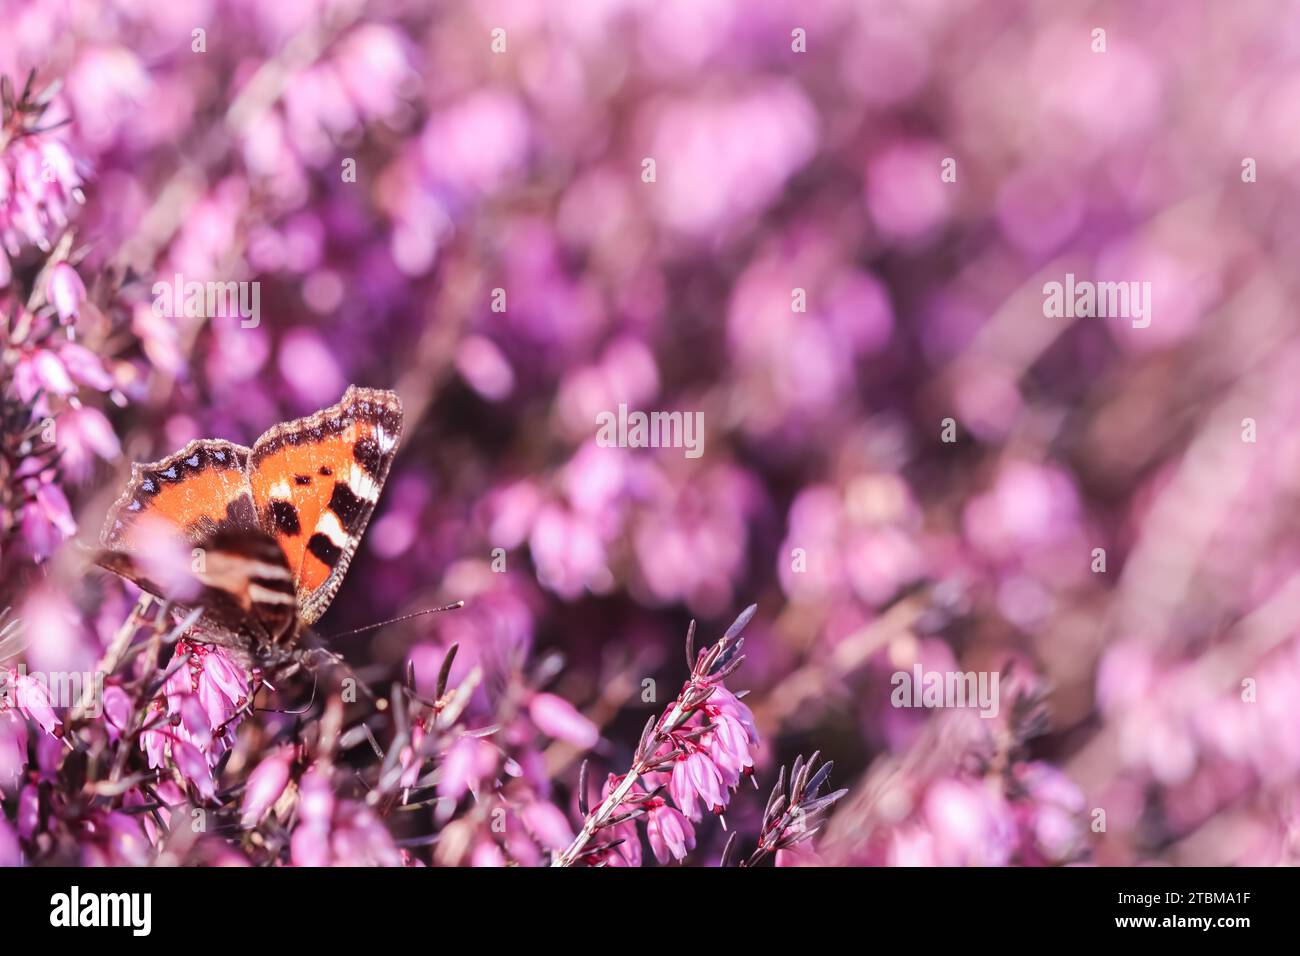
696,778
556,717
468,761
194,767
32,698
671,834
265,785
10,852
65,290
546,823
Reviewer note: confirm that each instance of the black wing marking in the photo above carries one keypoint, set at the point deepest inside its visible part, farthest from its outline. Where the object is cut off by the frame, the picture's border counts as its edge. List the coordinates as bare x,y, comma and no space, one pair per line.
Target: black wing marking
239,578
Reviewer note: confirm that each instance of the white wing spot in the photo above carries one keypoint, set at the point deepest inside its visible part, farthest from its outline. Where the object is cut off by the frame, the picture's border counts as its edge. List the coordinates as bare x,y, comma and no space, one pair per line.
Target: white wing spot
329,526
362,485
263,595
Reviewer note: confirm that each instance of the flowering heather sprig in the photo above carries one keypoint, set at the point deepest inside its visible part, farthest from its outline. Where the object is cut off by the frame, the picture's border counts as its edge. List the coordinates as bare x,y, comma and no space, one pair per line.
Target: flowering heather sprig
50,436
703,741
201,702
22,701
424,729
39,181
29,498
965,794
852,291
793,815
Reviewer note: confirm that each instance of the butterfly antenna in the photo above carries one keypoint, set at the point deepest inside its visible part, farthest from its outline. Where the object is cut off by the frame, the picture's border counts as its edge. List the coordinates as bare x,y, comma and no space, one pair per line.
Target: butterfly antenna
396,620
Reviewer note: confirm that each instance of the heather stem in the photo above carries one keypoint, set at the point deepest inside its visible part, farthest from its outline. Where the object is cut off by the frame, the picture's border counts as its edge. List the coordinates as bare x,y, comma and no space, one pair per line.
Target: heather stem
599,817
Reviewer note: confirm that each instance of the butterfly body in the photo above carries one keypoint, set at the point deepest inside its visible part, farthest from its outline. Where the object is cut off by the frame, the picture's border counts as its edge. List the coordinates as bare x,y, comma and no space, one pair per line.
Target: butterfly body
271,529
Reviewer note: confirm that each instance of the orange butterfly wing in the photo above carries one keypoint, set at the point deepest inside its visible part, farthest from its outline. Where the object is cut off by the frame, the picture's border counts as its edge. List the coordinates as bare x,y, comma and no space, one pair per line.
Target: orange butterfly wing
315,482
200,490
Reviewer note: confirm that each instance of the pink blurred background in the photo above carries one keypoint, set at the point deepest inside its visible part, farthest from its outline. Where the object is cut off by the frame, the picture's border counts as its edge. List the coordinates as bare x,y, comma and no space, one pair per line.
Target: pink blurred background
1150,710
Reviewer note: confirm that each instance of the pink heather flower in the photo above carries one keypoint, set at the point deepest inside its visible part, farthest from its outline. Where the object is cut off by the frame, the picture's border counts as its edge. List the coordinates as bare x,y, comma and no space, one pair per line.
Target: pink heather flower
972,826
220,688
84,434
556,717
548,824
723,701
628,853
1054,813
194,725
11,853
518,842
692,134
801,854
337,832
569,551
32,698
309,845
193,766
29,812
695,776
116,839
729,747
41,370
39,183
411,763
265,785
374,62
359,838
169,794
154,740
315,797
47,518
65,290
85,367
50,752
13,747
117,710
198,698
670,833
486,854
905,201
467,763
478,143
911,845
485,368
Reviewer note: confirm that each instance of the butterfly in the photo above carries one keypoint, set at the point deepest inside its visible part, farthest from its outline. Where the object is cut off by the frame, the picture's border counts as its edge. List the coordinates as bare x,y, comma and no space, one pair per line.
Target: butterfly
262,537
